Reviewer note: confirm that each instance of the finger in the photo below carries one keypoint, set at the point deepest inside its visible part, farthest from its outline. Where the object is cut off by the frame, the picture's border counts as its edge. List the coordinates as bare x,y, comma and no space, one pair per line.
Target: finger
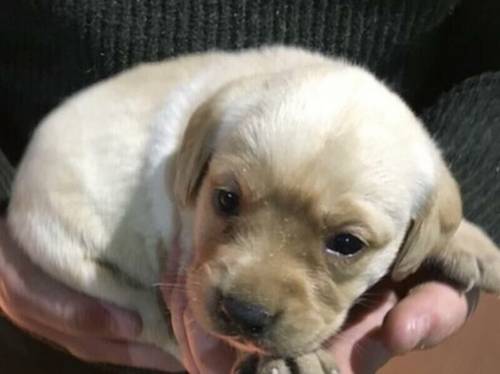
26,289
211,355
177,304
429,314
201,352
357,348
105,351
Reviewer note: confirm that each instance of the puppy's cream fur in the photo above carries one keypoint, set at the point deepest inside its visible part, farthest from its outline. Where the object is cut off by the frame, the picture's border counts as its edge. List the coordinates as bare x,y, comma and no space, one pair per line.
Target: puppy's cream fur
314,146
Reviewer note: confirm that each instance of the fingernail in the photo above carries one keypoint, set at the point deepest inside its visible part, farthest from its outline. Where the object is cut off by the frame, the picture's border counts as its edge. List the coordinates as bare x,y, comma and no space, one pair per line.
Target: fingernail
421,330
425,330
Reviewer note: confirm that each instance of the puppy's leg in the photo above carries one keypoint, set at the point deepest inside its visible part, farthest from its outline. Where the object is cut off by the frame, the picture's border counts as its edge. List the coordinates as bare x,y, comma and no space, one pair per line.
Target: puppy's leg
318,362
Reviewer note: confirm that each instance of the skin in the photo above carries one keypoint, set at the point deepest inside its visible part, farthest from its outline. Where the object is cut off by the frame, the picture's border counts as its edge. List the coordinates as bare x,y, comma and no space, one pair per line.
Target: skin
386,326
88,328
397,321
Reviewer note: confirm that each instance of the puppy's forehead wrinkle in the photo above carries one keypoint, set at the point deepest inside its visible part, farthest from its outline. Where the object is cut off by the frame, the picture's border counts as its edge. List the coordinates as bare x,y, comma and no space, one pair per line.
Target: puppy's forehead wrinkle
293,203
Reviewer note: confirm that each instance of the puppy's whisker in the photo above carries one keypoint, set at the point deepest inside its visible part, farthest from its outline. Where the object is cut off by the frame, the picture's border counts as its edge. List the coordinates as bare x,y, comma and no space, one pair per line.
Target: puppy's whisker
366,302
180,287
173,274
168,284
172,289
195,283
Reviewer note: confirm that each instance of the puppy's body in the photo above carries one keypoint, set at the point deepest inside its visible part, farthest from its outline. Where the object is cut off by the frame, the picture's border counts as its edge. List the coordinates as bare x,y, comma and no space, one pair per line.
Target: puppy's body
312,147
91,204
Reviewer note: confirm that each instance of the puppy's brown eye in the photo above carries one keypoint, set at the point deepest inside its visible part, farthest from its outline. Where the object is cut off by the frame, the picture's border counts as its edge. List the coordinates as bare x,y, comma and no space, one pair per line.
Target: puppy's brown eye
344,244
226,202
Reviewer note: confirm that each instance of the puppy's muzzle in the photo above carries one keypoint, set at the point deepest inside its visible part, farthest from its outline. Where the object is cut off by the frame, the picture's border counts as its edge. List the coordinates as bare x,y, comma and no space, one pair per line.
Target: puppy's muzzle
246,319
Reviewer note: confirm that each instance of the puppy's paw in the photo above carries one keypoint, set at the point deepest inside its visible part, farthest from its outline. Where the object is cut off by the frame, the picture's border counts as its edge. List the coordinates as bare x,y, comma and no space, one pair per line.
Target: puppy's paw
328,364
319,362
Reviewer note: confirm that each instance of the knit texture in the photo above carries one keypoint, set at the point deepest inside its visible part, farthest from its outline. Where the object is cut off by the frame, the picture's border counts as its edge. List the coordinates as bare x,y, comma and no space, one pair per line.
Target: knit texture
50,48
466,123
6,176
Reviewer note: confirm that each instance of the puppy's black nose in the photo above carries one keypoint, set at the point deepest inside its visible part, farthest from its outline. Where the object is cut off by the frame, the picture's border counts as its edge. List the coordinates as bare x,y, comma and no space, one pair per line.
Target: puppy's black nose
252,319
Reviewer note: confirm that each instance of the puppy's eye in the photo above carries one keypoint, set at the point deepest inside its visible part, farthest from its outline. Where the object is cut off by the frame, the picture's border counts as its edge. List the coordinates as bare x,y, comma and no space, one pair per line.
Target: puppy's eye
343,244
226,202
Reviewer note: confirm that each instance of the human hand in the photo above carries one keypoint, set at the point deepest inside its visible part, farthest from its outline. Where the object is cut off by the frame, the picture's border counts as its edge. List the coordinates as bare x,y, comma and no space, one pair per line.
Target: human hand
390,325
384,325
88,328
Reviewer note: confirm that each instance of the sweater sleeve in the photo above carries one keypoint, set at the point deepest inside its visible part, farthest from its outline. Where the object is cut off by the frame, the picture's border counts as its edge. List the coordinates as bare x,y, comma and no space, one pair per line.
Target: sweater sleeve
470,44
6,176
466,119
466,123
50,49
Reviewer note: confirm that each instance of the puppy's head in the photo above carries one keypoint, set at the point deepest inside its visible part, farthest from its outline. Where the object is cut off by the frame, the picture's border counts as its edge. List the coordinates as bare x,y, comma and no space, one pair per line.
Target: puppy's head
305,188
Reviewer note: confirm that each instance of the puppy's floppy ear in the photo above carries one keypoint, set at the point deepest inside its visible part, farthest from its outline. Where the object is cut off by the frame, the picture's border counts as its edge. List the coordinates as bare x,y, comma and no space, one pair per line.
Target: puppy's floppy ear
434,225
194,154
441,236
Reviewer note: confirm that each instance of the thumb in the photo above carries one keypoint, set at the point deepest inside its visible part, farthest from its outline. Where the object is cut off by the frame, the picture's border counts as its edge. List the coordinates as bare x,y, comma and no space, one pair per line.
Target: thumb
430,313
210,354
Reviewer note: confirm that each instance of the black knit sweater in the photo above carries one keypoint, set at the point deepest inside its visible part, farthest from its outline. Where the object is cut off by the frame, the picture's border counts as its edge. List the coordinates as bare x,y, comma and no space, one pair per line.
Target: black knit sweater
50,48
421,48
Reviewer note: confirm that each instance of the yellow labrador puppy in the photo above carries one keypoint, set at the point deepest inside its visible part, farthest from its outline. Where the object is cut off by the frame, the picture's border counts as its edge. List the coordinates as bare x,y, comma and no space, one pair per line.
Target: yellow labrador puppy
292,183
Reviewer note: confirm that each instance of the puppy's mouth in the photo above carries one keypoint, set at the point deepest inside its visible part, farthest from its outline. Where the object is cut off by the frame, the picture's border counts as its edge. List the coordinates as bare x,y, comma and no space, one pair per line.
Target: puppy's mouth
254,329
256,322
245,326
242,324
